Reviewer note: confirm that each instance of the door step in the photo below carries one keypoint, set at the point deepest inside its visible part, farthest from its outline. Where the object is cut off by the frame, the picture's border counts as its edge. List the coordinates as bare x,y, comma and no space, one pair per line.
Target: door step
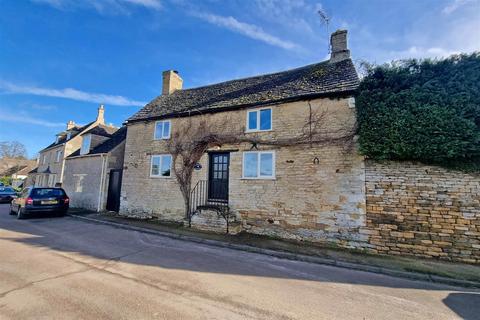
208,219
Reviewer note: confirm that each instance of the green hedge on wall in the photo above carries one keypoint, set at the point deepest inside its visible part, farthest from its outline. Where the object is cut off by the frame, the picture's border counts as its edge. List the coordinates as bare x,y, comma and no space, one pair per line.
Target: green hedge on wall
422,110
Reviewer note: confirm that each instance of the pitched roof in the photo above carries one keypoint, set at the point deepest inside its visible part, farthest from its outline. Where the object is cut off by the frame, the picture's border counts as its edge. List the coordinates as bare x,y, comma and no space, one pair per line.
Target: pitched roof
118,137
26,169
101,130
75,131
13,170
315,80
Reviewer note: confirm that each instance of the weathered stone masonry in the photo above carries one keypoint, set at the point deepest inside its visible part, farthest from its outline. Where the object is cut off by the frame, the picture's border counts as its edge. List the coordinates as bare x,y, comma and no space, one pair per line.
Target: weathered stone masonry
318,201
426,211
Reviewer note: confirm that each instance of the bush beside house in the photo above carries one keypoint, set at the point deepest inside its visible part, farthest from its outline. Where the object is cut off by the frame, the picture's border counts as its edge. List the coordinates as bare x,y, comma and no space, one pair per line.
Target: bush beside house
425,110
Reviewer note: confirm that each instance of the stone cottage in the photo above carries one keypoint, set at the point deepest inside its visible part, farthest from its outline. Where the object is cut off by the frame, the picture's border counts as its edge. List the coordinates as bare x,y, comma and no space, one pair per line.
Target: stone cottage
93,173
301,191
51,160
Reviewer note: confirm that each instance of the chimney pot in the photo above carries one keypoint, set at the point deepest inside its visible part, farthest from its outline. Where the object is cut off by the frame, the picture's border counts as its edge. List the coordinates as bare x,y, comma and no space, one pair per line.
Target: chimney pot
171,82
338,43
70,124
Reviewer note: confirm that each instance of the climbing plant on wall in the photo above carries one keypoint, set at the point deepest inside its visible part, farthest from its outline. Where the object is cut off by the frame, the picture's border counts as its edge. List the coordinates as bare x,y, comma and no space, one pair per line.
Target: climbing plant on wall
425,110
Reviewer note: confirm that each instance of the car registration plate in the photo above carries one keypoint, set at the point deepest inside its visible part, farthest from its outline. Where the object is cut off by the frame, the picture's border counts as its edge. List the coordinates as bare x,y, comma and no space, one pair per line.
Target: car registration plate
49,202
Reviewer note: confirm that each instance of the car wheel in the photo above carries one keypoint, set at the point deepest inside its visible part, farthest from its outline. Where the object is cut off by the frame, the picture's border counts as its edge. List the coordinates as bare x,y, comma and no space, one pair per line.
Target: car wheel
21,213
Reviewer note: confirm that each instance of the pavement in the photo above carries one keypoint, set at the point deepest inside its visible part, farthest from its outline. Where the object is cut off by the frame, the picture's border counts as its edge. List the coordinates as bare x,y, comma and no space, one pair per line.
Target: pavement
64,268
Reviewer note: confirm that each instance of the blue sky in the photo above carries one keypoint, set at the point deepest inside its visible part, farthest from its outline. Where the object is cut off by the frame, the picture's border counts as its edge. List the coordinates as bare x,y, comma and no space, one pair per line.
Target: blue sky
60,58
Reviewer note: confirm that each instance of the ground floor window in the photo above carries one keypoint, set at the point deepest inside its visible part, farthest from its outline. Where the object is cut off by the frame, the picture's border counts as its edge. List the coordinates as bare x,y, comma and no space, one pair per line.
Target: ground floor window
259,165
161,165
51,180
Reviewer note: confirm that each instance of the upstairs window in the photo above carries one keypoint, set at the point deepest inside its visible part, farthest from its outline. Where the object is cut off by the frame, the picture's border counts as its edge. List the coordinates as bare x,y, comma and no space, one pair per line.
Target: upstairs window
69,135
161,166
259,165
86,139
44,159
162,130
58,156
259,120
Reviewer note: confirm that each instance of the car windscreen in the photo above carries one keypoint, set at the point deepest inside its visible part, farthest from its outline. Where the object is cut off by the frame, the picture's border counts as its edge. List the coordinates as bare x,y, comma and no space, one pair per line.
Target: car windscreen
47,193
6,190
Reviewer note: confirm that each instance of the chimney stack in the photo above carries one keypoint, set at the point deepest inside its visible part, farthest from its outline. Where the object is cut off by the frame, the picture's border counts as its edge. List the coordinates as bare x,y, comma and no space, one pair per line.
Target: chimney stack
338,43
171,82
101,115
70,124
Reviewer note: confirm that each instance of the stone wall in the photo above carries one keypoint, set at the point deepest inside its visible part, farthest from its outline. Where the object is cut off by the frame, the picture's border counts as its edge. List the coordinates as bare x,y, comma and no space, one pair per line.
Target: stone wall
82,181
426,211
317,194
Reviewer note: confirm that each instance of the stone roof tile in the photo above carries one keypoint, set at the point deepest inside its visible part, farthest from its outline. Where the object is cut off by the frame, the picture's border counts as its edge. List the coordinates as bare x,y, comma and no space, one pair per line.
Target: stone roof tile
320,79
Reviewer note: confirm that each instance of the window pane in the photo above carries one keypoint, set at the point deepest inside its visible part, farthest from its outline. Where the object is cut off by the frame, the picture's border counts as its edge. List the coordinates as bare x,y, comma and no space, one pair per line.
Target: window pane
166,164
266,164
250,165
266,119
166,129
158,130
252,120
155,166
85,144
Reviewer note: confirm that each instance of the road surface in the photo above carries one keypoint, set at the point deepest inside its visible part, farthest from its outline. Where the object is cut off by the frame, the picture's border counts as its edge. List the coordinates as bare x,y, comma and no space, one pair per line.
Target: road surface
63,268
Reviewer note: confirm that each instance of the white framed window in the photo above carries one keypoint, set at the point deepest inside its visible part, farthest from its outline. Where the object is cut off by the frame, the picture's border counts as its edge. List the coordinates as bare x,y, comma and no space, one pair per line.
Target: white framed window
51,180
162,130
44,159
57,140
161,166
259,120
58,155
69,135
259,165
86,140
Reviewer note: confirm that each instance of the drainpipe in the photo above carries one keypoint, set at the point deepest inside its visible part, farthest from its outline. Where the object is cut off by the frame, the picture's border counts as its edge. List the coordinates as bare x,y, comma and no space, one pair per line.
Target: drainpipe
102,181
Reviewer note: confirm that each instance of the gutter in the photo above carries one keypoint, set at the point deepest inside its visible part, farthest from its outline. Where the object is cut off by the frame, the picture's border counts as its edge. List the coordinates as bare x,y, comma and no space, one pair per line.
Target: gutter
102,181
85,156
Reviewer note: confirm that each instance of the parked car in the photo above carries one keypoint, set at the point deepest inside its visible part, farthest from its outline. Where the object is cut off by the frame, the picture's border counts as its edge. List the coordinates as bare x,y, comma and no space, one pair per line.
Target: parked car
40,200
7,194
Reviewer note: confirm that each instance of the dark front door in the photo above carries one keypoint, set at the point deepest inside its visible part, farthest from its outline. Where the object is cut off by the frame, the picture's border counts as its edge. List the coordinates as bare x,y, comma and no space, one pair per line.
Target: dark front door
218,177
114,186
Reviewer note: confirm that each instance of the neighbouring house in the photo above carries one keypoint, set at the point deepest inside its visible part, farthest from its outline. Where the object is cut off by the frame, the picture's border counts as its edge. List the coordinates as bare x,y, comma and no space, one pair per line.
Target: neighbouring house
19,178
16,169
51,160
271,181
93,174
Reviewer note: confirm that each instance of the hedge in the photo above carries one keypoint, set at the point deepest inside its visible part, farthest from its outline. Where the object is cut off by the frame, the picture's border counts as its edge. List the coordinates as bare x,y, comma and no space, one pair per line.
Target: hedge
424,110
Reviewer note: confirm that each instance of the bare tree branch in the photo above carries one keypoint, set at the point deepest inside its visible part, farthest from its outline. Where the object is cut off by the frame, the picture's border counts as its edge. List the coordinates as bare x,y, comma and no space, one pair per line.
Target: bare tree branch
192,140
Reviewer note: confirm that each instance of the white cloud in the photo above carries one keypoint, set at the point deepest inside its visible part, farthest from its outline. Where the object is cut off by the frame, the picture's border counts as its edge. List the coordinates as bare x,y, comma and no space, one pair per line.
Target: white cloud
152,4
249,30
102,6
454,5
70,93
422,52
25,118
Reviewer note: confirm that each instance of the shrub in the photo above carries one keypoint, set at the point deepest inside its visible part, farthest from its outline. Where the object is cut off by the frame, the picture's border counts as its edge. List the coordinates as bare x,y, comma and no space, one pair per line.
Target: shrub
427,110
